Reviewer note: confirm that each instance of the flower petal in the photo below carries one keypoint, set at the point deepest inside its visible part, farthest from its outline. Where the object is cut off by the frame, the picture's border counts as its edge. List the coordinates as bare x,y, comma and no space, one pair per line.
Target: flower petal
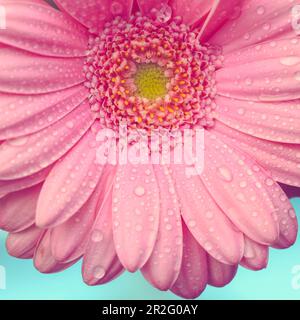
220,274
29,73
203,217
163,266
95,13
41,29
100,261
285,215
17,210
43,259
147,5
277,121
256,255
68,240
69,184
282,160
7,187
27,155
261,80
255,21
236,186
191,11
135,214
221,12
25,114
192,279
22,244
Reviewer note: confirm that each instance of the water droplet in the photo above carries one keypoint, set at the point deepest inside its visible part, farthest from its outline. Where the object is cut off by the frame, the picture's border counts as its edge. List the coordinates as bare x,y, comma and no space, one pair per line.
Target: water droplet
168,227
248,82
139,191
97,236
116,8
243,184
99,272
297,76
18,142
269,182
241,111
241,197
170,212
266,26
247,36
260,10
209,215
225,174
292,213
192,223
138,228
208,246
70,124
164,14
290,61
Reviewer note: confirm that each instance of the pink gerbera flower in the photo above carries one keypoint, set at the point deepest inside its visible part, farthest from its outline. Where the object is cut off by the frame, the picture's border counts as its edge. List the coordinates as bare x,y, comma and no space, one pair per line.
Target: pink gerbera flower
228,67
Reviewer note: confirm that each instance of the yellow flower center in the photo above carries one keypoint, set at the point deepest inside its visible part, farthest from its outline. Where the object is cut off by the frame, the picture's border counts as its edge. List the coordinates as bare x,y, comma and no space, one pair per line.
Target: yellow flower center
150,81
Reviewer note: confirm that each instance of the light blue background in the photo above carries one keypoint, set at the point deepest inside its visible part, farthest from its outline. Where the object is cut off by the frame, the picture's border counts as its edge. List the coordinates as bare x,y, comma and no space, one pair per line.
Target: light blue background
24,282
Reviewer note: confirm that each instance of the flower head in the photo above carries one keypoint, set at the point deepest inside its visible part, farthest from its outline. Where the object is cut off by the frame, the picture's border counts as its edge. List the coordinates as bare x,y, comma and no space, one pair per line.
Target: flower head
229,69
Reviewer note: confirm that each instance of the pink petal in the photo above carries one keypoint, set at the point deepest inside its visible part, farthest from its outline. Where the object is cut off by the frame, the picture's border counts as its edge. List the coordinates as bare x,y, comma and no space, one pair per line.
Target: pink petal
255,22
163,266
282,160
147,5
27,155
100,261
221,12
269,79
192,279
191,11
22,244
70,183
95,13
28,73
68,240
41,29
207,223
135,214
287,50
236,186
277,121
256,255
285,216
41,110
17,210
7,187
220,274
43,259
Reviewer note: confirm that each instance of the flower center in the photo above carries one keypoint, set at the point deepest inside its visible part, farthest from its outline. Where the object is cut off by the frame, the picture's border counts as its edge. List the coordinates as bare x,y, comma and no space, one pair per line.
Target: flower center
151,73
150,81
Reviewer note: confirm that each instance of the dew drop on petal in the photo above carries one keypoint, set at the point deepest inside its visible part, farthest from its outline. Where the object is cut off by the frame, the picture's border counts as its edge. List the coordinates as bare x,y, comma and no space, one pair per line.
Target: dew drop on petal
192,223
116,8
297,76
290,61
209,215
164,14
225,174
139,191
260,10
18,142
99,272
97,236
